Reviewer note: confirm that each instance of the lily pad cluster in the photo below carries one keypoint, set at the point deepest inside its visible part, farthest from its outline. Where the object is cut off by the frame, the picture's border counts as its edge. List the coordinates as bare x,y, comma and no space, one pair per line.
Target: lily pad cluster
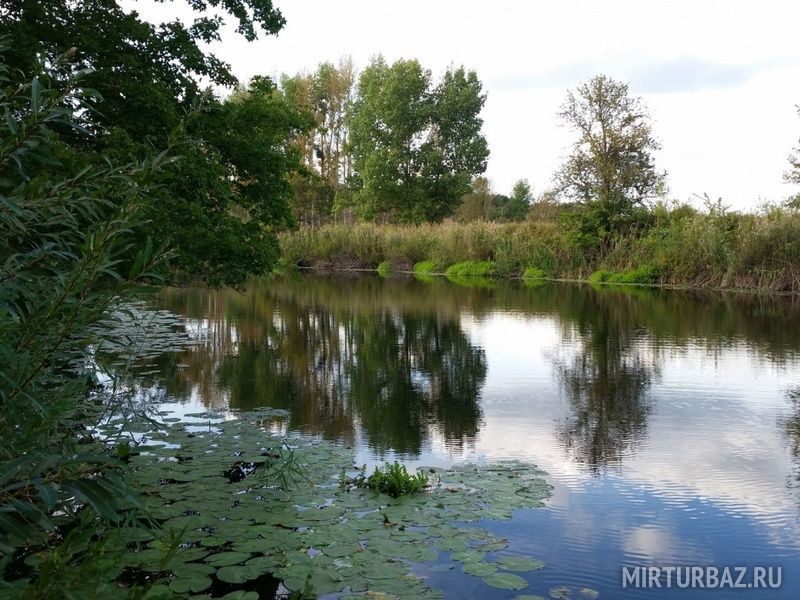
317,535
135,334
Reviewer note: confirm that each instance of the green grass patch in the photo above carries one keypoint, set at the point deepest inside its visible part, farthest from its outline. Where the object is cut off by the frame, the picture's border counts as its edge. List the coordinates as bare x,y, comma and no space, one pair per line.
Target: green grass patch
426,267
384,269
534,273
600,276
470,268
643,275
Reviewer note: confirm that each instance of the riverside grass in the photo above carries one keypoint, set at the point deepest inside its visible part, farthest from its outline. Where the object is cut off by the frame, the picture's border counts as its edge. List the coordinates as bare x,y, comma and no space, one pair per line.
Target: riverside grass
703,250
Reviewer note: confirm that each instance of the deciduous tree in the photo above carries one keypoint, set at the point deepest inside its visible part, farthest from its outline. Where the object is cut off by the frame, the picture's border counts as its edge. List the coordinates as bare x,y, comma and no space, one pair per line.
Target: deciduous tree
611,169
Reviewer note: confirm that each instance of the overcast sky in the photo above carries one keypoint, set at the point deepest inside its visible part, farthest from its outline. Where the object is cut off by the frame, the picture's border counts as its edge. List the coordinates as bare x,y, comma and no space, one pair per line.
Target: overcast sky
721,79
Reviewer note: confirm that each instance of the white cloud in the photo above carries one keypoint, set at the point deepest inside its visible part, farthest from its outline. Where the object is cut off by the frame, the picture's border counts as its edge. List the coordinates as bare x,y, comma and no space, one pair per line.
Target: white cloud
721,78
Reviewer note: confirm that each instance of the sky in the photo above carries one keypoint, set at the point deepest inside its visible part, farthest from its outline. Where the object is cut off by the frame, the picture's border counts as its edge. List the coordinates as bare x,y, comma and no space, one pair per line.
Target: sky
721,79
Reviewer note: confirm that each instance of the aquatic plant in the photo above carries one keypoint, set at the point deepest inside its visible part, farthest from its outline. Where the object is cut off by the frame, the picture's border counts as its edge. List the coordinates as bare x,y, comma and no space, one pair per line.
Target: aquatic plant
534,273
384,269
426,267
479,268
328,537
396,481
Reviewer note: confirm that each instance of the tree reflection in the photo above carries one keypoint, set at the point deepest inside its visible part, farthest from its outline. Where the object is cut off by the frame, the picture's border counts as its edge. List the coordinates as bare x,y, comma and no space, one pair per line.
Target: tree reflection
605,376
399,376
791,427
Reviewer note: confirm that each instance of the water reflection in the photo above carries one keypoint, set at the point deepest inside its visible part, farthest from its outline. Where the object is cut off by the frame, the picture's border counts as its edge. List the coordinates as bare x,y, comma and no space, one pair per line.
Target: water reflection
654,411
390,360
401,376
606,380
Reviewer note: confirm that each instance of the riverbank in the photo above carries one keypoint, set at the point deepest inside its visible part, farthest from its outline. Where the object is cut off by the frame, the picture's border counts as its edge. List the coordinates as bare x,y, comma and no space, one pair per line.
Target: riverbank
680,248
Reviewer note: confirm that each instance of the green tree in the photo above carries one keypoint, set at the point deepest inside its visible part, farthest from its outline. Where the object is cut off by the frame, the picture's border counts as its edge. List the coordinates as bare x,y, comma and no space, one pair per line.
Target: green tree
148,76
478,203
325,98
69,249
611,170
516,206
415,147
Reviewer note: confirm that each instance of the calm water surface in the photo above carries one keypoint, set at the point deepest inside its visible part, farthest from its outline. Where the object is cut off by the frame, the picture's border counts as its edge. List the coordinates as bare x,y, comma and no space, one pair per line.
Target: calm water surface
669,421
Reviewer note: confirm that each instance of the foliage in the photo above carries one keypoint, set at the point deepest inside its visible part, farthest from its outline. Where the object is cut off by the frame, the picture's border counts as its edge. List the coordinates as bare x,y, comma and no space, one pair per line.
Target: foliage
600,276
534,273
477,268
611,169
642,275
384,269
229,194
71,242
396,481
415,146
222,204
426,267
714,248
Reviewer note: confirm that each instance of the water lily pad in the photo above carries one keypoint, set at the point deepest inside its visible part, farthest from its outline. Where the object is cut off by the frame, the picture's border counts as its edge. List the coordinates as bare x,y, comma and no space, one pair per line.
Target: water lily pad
224,559
479,568
238,573
506,581
588,593
519,563
195,585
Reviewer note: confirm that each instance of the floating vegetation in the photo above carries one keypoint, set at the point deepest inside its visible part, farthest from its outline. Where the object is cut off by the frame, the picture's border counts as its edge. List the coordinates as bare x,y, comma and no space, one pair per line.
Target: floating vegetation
135,334
394,480
307,530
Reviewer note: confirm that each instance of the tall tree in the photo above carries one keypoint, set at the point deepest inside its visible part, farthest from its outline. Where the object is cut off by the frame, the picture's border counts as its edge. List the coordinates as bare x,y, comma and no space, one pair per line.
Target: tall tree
611,169
325,97
415,147
147,76
478,203
515,207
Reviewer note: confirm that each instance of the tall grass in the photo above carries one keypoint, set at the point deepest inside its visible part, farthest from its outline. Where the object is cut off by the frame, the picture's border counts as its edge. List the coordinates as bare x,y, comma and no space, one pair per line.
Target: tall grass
711,249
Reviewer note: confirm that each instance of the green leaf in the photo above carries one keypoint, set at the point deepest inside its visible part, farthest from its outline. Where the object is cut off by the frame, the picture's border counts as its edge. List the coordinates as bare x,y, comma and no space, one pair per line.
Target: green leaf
506,581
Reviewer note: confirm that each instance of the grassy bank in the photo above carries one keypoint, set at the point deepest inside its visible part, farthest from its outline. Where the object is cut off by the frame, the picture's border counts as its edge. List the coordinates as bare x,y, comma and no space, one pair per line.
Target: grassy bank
681,247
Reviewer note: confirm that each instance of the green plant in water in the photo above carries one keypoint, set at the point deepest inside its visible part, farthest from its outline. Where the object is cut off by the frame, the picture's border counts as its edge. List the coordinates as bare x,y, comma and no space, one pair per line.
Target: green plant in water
534,273
600,276
286,470
469,268
396,481
384,269
425,267
643,275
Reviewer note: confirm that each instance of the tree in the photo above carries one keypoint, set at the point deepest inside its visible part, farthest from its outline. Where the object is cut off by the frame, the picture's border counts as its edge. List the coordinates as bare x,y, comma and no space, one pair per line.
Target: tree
325,97
516,206
478,203
415,147
793,174
611,170
147,78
